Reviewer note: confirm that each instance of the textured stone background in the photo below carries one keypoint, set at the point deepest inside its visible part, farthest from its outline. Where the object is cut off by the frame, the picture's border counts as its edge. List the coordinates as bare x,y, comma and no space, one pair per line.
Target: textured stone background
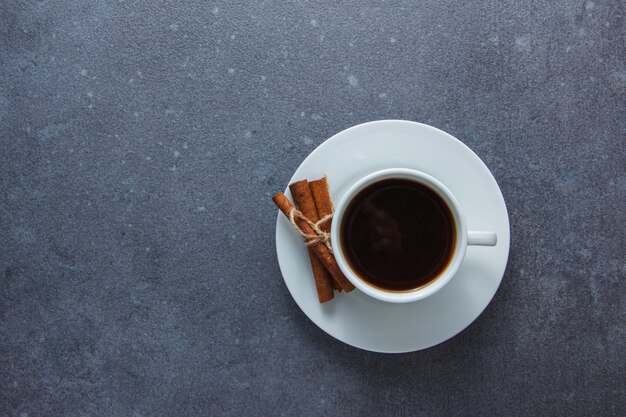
141,141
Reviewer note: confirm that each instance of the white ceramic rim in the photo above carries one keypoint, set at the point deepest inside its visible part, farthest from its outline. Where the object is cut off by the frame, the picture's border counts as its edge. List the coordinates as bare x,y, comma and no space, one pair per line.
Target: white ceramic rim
329,317
460,245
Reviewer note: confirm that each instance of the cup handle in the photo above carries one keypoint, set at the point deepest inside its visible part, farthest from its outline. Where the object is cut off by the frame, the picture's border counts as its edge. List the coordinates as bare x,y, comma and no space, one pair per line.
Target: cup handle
475,238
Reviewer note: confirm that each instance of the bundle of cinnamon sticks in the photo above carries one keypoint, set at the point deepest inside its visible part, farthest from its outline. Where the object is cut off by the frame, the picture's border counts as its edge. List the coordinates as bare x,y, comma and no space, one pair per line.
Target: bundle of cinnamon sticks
313,201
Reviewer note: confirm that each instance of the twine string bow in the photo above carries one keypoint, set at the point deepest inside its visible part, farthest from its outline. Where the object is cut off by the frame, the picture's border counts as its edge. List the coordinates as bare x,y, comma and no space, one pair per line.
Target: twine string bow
320,235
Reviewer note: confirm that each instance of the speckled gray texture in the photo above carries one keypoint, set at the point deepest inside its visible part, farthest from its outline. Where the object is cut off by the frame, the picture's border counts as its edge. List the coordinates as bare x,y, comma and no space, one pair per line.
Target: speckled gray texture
140,144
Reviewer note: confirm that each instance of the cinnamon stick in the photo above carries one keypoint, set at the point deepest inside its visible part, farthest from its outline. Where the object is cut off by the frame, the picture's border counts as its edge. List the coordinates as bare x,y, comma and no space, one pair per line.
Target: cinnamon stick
323,202
336,286
320,250
323,205
303,200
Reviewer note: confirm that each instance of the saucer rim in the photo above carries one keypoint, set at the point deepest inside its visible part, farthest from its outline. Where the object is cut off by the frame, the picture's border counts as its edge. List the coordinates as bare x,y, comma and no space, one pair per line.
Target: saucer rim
486,175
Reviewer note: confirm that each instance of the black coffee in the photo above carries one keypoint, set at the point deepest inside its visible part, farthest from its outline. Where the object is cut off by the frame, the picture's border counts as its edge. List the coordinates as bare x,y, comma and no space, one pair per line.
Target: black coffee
397,234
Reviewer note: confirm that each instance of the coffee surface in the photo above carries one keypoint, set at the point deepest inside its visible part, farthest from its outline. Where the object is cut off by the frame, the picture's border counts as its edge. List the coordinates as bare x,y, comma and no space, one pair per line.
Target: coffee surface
397,234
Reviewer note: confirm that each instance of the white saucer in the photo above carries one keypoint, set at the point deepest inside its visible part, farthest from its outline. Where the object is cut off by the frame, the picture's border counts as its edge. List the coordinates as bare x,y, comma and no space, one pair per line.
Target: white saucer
360,320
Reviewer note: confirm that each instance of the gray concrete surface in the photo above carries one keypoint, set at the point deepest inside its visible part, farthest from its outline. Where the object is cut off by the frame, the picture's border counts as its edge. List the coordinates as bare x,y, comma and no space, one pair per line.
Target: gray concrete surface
140,144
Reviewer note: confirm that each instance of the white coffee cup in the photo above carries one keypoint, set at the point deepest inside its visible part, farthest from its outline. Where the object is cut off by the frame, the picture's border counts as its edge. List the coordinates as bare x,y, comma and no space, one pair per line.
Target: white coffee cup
463,236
